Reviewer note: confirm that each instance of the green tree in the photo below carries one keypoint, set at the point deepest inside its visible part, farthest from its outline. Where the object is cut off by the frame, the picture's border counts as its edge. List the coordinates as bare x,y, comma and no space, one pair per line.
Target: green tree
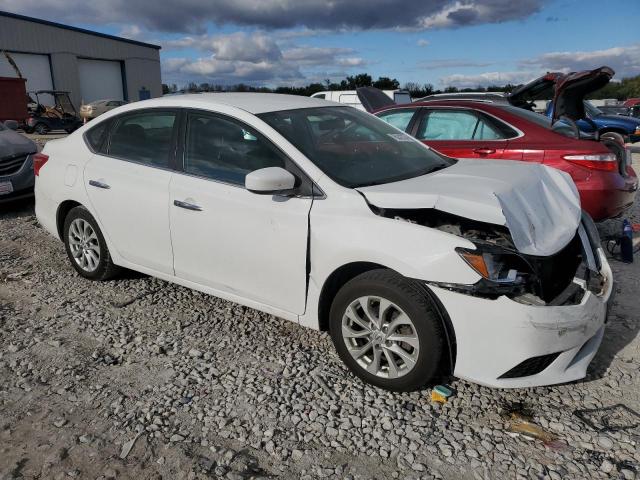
386,83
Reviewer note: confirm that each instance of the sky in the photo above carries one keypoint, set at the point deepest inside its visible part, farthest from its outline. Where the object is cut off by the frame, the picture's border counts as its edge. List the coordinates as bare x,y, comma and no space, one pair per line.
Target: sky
461,43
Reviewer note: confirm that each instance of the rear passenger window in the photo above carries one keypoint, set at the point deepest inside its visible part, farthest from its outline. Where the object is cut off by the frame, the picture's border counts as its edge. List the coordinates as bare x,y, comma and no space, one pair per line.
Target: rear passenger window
462,125
144,138
223,149
95,136
398,118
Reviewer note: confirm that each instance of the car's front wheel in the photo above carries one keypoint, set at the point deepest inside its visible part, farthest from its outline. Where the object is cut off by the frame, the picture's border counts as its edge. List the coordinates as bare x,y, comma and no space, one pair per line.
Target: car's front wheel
387,331
86,247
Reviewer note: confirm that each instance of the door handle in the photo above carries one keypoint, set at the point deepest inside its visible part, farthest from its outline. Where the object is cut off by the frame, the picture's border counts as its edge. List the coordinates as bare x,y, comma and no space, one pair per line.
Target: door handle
187,205
95,183
484,151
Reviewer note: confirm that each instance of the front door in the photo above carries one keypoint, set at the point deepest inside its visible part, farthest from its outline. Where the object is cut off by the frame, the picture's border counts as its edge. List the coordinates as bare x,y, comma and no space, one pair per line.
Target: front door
225,237
128,186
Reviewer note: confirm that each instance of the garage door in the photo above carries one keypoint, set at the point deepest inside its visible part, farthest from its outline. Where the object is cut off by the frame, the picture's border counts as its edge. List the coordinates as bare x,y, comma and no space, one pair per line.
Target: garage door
35,68
100,80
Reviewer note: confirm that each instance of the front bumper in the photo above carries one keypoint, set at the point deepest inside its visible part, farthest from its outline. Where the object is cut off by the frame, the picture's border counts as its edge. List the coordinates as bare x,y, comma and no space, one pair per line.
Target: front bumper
22,181
496,337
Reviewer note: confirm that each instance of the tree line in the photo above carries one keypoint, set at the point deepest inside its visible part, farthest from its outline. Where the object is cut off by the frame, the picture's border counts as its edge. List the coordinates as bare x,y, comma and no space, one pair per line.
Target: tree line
626,88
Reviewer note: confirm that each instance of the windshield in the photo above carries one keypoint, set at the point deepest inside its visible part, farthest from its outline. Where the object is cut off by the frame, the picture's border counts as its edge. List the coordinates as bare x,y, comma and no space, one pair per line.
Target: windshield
355,148
591,109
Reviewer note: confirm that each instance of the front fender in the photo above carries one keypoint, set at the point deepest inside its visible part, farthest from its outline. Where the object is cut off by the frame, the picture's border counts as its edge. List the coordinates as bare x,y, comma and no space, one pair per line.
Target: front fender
344,230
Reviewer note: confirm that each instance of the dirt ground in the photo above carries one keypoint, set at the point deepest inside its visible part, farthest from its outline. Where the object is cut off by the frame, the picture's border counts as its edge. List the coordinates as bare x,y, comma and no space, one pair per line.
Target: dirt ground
137,378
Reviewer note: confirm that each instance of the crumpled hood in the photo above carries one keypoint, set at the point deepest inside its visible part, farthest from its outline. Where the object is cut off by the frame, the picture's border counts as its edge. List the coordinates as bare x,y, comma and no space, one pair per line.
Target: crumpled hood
12,144
539,205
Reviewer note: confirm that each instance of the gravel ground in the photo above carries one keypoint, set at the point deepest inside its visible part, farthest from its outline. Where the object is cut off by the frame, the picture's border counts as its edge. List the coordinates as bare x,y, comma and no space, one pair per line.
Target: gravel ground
138,378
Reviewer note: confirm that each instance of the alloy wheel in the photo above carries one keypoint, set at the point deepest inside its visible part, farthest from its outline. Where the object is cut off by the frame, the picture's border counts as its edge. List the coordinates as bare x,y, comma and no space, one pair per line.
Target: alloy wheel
380,337
84,245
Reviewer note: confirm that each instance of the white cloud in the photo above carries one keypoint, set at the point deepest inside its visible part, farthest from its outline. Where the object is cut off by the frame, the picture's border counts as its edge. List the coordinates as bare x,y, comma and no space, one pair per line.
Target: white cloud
422,42
488,78
251,58
624,60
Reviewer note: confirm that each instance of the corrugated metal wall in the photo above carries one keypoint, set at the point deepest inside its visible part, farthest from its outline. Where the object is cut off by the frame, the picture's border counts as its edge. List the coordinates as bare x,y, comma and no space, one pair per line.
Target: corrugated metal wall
141,63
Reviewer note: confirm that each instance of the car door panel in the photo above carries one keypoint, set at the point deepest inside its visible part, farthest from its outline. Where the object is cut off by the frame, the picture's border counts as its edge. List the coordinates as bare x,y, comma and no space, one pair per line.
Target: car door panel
452,132
132,206
250,245
127,182
224,237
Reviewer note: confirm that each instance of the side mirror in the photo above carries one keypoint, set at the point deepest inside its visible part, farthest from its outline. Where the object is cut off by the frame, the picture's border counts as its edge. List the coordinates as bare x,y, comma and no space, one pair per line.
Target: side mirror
270,180
11,124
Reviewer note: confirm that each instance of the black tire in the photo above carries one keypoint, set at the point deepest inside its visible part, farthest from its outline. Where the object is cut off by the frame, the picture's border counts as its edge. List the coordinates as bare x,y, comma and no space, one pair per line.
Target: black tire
416,304
105,269
41,128
28,130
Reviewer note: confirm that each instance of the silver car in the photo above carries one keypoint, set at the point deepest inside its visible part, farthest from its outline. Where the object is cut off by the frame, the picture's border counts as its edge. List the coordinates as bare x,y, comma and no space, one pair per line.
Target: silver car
16,164
97,108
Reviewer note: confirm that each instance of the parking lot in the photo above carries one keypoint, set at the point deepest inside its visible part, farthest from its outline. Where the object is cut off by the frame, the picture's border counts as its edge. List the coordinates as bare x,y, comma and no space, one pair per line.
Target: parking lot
138,378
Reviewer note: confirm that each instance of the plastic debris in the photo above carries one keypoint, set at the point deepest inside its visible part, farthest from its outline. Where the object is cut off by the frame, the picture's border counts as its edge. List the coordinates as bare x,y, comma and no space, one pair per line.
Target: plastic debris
440,394
520,422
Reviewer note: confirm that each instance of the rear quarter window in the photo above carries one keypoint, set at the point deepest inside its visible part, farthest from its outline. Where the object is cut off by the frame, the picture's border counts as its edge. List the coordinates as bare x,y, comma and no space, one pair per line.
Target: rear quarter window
95,137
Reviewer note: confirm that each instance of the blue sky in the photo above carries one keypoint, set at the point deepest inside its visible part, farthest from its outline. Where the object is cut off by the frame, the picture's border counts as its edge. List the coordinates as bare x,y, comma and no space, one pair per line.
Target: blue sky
465,43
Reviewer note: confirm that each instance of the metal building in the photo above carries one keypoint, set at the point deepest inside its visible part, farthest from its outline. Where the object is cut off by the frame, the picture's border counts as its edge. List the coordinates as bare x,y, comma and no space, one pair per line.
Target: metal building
90,65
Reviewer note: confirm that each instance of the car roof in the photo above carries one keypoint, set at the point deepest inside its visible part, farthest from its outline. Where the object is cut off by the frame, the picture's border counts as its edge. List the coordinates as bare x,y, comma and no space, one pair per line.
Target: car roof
251,102
479,96
465,103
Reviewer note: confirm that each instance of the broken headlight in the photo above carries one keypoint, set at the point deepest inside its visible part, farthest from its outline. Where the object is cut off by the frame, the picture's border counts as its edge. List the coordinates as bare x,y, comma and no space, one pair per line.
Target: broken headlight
497,264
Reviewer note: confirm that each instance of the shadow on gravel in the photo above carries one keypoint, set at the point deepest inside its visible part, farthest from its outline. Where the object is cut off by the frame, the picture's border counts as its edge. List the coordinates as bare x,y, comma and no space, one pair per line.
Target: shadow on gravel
623,323
17,208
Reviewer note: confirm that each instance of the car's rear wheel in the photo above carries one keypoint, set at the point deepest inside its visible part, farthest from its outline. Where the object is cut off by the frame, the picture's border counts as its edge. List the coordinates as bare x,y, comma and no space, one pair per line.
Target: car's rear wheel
387,331
86,247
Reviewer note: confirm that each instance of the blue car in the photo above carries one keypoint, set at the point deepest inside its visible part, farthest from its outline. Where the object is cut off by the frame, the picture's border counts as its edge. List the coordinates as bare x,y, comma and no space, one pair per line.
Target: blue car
568,92
596,120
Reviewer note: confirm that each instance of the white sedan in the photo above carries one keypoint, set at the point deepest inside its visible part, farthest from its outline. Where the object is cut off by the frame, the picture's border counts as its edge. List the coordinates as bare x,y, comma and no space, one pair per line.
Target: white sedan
417,264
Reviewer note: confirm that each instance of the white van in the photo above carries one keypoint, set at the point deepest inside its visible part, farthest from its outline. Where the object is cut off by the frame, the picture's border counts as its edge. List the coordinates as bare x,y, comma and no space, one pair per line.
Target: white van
350,97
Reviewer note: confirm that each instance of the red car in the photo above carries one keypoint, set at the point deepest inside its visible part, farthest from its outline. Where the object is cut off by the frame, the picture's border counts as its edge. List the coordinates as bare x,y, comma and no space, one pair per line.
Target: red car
496,130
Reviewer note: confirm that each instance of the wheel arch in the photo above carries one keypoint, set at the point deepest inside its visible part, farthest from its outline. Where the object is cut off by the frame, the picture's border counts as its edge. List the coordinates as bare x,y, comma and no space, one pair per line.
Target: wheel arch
347,272
618,130
63,209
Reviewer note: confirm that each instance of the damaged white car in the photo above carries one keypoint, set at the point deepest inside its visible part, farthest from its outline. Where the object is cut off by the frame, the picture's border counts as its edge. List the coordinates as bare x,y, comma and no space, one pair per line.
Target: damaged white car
417,264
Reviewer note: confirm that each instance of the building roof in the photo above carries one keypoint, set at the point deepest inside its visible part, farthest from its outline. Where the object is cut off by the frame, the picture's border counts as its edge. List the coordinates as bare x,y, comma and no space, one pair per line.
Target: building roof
254,103
77,29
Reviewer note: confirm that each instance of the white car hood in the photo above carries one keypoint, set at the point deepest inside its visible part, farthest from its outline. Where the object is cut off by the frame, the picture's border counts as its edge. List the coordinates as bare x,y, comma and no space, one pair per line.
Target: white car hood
539,205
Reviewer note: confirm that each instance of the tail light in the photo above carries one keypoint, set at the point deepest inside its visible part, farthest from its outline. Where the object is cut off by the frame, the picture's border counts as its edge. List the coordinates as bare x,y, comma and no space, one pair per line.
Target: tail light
39,159
607,162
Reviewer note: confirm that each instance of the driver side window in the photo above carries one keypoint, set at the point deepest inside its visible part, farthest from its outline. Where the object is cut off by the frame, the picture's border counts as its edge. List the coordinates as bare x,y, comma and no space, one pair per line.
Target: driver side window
223,149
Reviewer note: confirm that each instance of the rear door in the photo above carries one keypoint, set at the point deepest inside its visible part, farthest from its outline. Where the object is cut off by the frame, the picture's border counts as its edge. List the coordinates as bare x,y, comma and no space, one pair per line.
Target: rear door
127,181
462,132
